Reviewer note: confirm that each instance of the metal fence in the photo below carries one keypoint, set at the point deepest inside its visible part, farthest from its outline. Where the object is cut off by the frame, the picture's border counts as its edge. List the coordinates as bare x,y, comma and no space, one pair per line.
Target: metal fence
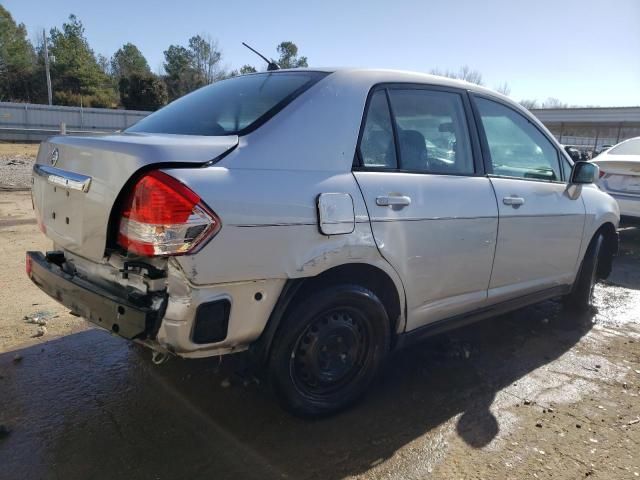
31,122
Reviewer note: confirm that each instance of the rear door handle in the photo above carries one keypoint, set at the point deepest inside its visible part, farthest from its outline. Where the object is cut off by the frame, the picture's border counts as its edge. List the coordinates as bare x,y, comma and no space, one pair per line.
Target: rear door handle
393,201
513,201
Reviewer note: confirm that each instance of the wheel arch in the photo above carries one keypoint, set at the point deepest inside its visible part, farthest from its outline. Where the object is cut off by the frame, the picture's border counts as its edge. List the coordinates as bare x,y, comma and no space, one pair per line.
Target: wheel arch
609,248
389,291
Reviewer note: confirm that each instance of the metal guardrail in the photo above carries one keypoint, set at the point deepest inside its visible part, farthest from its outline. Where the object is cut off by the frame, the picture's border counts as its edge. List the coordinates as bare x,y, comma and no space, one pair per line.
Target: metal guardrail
33,122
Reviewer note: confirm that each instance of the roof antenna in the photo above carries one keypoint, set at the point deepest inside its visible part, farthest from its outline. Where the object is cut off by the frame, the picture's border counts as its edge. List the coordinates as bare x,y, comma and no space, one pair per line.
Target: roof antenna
271,65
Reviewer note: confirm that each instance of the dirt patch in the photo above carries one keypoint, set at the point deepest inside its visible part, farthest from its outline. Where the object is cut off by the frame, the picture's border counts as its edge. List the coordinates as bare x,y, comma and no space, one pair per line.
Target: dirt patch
20,300
10,149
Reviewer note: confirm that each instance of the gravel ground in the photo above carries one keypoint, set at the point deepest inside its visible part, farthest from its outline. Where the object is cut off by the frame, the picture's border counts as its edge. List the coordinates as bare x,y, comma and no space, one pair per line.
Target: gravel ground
16,162
15,172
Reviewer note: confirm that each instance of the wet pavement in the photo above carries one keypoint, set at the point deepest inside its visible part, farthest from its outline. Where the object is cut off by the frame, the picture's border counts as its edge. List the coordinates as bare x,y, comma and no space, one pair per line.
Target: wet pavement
89,405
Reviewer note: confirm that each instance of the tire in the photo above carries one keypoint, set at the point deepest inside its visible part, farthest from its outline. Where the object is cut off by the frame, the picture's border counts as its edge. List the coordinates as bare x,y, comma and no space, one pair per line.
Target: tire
581,296
328,349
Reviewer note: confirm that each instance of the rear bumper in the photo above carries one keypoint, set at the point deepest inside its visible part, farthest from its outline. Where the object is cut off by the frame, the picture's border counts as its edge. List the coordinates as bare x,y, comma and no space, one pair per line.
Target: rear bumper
629,204
95,304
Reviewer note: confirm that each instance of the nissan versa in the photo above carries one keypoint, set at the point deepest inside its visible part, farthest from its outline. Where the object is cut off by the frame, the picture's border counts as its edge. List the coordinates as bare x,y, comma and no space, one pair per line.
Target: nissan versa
320,219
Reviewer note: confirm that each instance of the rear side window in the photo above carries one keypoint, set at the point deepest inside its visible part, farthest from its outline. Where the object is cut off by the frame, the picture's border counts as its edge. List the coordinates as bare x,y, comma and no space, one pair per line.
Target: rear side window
630,147
228,107
432,131
518,149
377,148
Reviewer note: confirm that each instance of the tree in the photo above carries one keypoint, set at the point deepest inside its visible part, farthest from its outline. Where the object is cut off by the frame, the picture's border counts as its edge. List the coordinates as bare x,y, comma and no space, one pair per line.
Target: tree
464,73
17,59
76,75
552,102
529,104
190,68
504,88
180,75
469,75
142,92
104,64
289,56
206,58
245,69
128,60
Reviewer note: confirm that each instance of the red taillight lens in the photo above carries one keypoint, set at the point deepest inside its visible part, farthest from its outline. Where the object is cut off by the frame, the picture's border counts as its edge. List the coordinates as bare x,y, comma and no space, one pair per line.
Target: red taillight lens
602,174
162,216
28,266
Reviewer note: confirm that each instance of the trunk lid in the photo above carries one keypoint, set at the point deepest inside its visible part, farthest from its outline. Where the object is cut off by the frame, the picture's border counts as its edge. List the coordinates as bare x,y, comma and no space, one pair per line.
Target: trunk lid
620,176
77,180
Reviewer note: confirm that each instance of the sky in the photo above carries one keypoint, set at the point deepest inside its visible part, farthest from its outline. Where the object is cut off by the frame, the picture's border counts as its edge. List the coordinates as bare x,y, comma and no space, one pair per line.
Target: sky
583,52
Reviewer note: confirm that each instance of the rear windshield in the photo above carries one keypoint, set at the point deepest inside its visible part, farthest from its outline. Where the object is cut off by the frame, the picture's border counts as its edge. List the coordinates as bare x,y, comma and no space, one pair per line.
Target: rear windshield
630,147
228,107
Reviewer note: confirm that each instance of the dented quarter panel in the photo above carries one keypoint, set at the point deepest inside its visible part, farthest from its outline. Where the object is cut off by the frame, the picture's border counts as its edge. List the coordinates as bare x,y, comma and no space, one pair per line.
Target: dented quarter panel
247,319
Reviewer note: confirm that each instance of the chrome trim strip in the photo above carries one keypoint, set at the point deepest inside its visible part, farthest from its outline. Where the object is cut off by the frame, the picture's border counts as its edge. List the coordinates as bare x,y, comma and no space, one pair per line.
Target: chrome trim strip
63,178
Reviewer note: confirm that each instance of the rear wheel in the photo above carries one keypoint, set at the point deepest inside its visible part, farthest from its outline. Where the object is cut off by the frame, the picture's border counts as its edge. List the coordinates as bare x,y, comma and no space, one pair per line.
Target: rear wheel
581,296
328,350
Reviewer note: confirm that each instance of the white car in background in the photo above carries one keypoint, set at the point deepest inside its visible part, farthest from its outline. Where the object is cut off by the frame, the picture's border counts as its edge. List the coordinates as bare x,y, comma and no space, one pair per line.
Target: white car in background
620,175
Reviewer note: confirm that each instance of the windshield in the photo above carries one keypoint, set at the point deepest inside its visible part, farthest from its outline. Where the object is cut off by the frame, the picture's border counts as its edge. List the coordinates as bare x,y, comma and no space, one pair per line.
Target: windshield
229,107
630,147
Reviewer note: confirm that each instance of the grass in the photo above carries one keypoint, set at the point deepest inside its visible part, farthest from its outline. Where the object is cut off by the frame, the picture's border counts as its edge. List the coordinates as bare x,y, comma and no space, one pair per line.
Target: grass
30,149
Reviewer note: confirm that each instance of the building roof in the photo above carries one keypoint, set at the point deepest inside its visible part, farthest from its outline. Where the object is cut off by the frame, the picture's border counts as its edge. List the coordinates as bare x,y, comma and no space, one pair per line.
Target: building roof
610,115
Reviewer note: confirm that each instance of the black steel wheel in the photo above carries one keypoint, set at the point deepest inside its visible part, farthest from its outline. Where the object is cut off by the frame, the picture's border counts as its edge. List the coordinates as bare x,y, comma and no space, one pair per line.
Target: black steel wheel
328,350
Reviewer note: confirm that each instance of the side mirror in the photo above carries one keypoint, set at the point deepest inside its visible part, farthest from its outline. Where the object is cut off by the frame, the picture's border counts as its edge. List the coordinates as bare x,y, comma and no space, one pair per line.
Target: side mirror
584,172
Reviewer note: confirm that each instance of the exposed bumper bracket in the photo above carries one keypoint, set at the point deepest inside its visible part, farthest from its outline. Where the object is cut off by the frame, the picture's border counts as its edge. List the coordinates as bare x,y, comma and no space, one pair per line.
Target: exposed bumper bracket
95,304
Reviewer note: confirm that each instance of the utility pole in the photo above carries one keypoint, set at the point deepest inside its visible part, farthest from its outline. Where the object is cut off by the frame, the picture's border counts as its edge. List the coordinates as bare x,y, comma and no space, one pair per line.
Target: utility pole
46,66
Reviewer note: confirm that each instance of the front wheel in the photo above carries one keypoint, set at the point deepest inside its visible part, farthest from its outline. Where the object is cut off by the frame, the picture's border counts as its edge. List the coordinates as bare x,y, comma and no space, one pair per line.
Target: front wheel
581,296
328,350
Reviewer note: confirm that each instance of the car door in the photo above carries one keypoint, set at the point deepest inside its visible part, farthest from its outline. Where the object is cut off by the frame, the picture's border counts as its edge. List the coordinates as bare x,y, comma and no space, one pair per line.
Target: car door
541,218
433,213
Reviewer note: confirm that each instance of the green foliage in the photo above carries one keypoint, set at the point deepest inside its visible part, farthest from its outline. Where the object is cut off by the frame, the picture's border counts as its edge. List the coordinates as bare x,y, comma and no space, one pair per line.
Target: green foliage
128,60
181,77
247,69
206,58
80,77
142,92
193,67
76,72
17,60
289,56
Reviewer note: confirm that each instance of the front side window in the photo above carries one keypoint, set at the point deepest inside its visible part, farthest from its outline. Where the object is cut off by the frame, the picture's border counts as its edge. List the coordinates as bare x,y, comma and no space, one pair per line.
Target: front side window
518,149
432,131
229,106
377,148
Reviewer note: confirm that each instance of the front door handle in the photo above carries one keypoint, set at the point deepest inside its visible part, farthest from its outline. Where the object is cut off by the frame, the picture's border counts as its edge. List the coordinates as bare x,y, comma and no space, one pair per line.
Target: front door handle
513,201
393,201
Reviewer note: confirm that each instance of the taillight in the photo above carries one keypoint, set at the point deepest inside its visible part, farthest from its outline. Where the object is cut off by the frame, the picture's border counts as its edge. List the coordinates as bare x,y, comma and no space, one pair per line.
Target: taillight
28,266
602,174
162,216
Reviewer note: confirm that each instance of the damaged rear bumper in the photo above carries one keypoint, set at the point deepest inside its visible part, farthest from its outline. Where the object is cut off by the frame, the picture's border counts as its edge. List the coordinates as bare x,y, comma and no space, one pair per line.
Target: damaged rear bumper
99,306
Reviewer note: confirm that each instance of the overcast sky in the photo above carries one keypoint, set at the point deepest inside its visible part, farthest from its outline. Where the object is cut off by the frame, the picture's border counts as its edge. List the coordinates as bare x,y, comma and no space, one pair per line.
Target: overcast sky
580,51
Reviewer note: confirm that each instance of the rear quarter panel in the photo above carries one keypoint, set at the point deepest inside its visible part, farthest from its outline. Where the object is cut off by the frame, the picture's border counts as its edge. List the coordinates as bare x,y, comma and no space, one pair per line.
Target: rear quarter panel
270,226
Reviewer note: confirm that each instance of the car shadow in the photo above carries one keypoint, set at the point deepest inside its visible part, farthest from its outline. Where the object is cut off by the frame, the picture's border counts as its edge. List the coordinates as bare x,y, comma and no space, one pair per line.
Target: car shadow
90,405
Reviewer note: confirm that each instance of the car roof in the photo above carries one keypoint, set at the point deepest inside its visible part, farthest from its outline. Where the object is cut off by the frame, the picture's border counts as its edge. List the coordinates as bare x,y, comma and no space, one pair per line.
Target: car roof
400,76
383,75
